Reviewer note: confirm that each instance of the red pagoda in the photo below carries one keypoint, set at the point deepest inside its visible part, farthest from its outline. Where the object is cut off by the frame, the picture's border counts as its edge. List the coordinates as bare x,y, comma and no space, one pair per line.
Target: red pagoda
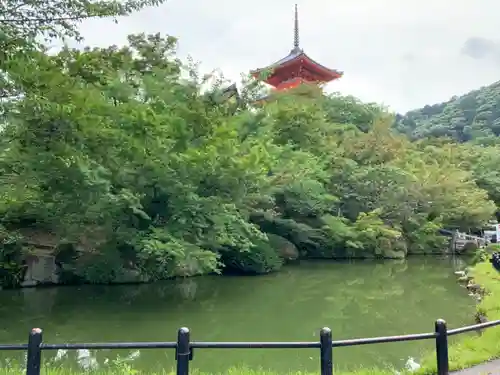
296,68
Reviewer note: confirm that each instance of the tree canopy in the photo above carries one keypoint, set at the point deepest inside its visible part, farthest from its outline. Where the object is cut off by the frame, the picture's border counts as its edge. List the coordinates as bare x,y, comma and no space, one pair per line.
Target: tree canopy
465,130
127,163
473,116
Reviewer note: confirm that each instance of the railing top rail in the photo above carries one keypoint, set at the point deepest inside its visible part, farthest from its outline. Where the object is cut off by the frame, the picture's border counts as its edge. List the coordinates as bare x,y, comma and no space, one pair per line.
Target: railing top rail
316,344
472,328
256,344
110,345
13,347
386,339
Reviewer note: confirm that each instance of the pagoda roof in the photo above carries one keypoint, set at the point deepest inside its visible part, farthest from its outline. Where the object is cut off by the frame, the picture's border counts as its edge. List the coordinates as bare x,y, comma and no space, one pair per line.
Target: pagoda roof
294,53
298,55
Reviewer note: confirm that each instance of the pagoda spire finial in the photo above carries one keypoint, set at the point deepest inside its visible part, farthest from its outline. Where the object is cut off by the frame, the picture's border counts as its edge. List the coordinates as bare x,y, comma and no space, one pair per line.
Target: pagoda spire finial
296,46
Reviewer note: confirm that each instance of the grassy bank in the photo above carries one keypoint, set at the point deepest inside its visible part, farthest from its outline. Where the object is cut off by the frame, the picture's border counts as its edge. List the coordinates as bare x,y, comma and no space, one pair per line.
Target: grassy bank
473,349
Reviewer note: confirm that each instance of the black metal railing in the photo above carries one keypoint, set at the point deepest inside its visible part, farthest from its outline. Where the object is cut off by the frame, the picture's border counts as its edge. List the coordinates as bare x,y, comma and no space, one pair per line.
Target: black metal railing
184,347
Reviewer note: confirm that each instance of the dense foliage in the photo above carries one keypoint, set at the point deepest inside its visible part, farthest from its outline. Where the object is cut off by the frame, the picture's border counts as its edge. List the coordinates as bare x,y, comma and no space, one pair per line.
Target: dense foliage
465,130
473,116
120,160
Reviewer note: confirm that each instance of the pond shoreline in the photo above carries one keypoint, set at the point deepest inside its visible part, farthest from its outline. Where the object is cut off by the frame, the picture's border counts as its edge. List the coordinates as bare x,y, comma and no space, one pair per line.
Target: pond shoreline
134,278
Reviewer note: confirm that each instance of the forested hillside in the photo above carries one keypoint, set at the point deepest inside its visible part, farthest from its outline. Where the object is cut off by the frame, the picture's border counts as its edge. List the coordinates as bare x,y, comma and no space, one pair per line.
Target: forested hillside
467,129
473,116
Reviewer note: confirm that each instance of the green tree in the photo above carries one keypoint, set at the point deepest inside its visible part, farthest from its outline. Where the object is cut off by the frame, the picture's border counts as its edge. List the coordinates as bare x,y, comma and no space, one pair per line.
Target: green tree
122,156
473,116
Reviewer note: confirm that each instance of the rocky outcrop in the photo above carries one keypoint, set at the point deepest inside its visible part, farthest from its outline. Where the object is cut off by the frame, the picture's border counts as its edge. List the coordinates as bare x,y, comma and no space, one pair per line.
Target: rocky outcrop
41,268
476,291
40,260
469,247
287,250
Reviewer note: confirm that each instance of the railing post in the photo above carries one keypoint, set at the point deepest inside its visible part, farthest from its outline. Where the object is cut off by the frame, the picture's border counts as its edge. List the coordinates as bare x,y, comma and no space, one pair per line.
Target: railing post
183,352
34,358
441,347
326,356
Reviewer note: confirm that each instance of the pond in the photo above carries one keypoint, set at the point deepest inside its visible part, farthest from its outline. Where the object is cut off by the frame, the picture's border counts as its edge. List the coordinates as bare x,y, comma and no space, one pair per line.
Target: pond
354,299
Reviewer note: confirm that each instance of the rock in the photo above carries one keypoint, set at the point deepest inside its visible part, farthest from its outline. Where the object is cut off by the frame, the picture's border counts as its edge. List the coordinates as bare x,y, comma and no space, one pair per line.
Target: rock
460,273
474,287
287,250
476,296
480,318
469,247
41,269
39,239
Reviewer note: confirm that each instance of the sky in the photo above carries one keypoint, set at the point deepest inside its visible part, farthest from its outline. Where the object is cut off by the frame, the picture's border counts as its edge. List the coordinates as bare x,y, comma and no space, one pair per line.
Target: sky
403,54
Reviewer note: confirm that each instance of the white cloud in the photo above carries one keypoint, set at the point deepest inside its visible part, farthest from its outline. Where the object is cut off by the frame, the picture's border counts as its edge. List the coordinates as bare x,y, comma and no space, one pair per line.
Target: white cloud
401,53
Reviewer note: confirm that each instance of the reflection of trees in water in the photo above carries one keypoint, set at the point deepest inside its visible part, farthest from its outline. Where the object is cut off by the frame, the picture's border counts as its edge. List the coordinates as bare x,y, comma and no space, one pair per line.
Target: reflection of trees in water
100,299
459,264
187,288
389,269
37,302
70,302
399,266
347,285
388,288
339,283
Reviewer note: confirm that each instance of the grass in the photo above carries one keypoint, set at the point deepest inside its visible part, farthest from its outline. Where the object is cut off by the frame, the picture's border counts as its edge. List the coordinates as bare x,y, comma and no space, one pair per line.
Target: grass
473,350
468,351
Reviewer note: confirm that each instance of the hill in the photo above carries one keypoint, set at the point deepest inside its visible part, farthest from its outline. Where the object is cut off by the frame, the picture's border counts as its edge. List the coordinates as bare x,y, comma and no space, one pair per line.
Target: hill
475,115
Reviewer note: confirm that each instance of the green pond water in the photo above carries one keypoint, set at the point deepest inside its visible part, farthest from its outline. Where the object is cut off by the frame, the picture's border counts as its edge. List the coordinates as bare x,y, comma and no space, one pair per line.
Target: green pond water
356,299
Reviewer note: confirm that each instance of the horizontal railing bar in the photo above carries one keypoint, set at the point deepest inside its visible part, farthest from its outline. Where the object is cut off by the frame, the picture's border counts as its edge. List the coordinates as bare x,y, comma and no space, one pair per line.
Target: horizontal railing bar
382,340
249,345
242,345
475,327
13,347
113,345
